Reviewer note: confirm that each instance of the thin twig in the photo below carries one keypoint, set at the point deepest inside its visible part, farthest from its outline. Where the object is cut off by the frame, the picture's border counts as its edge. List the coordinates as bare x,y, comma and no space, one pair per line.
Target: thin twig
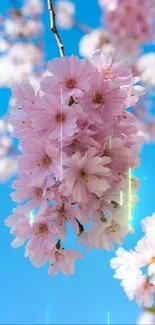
84,28
53,27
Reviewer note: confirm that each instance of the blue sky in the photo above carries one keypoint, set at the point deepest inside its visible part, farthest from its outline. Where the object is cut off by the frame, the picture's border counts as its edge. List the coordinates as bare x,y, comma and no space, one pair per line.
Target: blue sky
29,295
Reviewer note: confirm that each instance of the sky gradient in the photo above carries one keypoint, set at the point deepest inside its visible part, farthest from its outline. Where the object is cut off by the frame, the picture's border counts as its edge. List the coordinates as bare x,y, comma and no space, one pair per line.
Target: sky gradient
91,296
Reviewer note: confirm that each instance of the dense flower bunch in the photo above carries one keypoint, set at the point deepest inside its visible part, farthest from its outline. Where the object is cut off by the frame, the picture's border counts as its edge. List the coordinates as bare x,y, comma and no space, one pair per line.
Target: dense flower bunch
20,33
138,284
79,146
130,23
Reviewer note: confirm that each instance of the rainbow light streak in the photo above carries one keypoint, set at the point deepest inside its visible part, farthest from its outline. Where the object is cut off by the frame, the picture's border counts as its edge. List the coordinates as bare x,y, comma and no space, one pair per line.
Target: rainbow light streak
31,218
121,198
61,134
110,142
129,198
108,318
48,316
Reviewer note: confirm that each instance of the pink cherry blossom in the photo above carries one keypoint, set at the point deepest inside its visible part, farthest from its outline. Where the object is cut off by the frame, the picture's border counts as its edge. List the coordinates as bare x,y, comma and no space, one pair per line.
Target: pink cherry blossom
79,144
39,160
54,118
65,11
38,194
70,76
63,259
112,70
84,175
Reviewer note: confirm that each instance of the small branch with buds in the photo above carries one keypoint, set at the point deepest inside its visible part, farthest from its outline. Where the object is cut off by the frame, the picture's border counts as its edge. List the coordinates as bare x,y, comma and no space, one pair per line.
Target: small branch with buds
54,28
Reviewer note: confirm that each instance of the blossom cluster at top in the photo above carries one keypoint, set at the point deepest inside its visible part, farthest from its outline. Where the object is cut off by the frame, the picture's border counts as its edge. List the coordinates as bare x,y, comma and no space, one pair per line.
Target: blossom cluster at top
79,146
20,47
125,26
129,22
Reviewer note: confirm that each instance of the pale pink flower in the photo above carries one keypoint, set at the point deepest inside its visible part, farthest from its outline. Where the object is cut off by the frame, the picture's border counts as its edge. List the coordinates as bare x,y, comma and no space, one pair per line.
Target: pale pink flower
144,291
33,7
63,213
8,167
112,69
125,264
54,118
40,235
145,250
80,142
112,5
103,101
39,159
25,95
38,194
65,11
146,317
86,174
22,124
145,66
97,39
109,231
148,223
63,260
41,242
70,77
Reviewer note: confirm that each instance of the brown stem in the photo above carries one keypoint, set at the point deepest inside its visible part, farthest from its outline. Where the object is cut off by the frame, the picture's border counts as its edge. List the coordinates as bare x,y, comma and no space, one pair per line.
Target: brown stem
54,28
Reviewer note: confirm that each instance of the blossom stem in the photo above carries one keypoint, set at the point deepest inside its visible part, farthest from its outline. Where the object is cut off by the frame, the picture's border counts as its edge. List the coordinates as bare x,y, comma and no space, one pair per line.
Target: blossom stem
54,28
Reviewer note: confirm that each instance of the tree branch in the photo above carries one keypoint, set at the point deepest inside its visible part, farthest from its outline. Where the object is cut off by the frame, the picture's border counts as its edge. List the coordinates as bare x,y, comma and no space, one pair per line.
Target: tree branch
54,28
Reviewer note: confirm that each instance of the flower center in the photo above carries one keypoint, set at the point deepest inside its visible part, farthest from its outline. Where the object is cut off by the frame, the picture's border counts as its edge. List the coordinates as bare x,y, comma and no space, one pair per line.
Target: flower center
44,162
38,192
41,230
74,145
108,153
97,98
114,226
27,123
58,257
60,117
84,175
107,73
70,82
152,260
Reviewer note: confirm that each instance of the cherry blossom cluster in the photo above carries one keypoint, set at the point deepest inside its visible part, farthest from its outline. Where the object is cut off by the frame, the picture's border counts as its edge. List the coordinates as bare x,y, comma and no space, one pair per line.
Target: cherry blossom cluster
79,146
128,25
20,47
129,266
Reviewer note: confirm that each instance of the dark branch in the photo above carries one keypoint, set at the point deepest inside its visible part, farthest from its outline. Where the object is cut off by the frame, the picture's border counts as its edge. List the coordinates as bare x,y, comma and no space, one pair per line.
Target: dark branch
54,28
